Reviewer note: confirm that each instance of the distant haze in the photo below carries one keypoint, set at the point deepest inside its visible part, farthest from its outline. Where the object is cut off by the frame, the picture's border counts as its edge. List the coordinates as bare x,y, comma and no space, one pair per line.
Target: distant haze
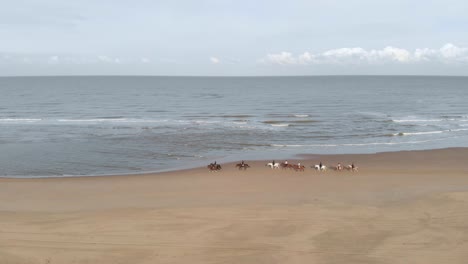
226,37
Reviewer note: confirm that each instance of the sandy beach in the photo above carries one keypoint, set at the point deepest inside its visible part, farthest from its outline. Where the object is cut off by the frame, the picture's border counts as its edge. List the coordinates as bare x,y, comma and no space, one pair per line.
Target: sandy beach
401,207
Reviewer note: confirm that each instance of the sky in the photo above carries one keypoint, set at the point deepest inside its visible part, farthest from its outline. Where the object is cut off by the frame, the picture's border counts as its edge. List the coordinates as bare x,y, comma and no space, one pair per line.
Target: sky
233,37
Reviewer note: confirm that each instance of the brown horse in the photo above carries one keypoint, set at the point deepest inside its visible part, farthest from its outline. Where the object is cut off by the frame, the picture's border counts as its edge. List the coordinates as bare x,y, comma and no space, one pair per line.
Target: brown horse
214,167
241,166
298,167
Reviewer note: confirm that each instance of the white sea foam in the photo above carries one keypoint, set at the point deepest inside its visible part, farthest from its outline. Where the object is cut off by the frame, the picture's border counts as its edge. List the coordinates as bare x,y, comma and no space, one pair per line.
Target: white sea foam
301,115
95,120
458,130
353,144
429,132
419,133
416,120
306,145
203,121
279,125
20,119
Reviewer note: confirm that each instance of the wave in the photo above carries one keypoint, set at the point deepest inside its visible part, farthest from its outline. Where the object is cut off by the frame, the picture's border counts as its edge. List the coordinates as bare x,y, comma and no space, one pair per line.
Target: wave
117,122
428,132
274,122
200,121
108,119
434,120
237,116
416,120
418,133
20,119
458,129
301,115
351,144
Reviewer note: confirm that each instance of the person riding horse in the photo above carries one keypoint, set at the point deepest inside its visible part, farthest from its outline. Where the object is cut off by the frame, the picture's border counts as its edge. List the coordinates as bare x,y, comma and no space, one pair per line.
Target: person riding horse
339,166
214,166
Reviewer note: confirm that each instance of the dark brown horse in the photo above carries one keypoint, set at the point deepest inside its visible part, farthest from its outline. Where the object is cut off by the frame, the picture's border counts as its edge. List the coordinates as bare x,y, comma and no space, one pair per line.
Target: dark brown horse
287,166
214,167
241,166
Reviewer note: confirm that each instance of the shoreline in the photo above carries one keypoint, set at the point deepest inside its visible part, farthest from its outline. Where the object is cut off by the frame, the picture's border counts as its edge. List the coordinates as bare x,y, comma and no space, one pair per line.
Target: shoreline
295,157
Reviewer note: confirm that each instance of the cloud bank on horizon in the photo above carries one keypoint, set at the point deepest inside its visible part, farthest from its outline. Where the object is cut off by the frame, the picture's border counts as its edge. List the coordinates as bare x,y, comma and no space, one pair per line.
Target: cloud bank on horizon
449,53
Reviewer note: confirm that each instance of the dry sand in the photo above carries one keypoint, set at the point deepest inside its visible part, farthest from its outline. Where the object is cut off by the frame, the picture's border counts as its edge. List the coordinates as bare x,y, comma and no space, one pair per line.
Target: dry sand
403,207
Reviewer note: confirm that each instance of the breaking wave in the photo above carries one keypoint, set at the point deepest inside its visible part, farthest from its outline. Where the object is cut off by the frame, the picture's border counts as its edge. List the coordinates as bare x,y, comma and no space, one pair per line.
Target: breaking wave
28,120
428,132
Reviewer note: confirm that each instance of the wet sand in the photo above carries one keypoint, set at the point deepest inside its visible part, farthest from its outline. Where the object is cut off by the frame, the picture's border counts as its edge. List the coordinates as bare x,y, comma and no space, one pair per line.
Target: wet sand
400,207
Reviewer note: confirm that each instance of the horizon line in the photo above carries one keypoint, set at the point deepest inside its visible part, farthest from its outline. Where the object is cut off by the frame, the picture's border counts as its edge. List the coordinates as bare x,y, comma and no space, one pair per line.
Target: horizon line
232,76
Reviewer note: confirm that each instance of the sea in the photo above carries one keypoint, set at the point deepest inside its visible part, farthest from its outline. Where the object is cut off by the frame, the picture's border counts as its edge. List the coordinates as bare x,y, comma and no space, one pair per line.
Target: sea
107,125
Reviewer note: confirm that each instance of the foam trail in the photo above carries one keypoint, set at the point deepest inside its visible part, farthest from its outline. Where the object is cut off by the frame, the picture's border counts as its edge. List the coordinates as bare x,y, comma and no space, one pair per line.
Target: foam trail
357,144
416,120
20,119
94,120
428,132
418,133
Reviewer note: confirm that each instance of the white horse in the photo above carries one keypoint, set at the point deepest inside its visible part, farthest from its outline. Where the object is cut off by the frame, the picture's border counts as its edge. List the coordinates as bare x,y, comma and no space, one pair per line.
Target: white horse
350,167
317,167
273,166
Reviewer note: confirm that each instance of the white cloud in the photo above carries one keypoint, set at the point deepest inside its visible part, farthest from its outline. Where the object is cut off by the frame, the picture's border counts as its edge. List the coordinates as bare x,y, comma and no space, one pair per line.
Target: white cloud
394,54
145,60
107,59
282,58
215,60
54,59
449,53
305,58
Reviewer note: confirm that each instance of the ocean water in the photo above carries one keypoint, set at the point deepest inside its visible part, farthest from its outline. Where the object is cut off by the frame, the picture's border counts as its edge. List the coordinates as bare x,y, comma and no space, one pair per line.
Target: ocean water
61,126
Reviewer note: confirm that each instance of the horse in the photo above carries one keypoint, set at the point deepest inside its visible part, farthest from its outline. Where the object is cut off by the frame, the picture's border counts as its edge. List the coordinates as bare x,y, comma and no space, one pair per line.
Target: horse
352,168
273,166
339,167
298,167
285,166
214,167
317,167
242,166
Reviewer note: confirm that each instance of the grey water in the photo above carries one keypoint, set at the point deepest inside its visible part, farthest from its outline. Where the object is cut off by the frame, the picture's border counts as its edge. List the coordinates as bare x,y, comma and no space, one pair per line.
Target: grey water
61,126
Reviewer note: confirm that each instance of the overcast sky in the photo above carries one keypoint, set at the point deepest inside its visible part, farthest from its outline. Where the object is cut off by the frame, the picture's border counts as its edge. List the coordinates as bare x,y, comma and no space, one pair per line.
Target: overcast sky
236,37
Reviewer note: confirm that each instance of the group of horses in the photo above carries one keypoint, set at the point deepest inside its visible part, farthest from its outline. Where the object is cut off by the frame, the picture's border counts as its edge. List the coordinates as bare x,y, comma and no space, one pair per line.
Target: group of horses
284,165
317,167
296,167
217,167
